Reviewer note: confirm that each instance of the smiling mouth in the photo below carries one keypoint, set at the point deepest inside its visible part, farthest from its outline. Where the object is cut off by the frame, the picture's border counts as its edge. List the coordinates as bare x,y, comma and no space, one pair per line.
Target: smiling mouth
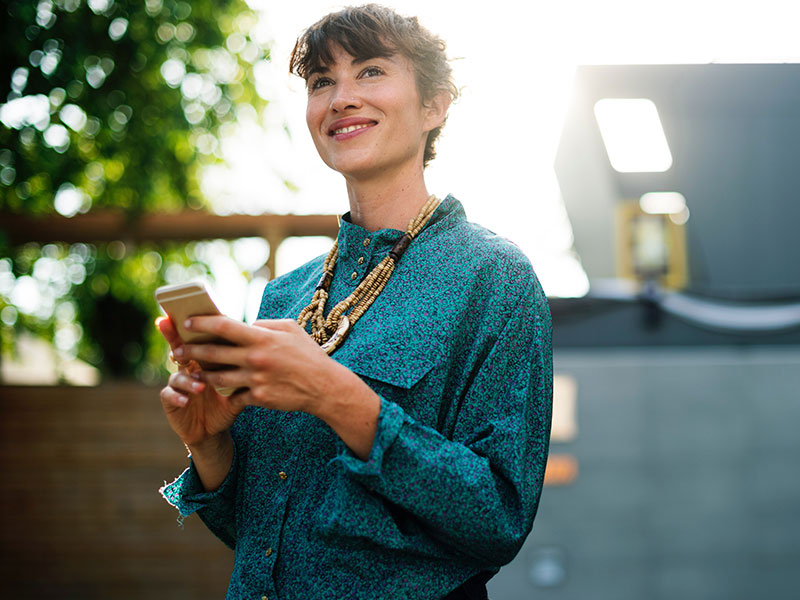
351,128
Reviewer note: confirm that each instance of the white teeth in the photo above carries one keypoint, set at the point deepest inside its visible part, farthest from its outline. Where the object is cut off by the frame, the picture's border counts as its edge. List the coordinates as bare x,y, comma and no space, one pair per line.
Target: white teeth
349,129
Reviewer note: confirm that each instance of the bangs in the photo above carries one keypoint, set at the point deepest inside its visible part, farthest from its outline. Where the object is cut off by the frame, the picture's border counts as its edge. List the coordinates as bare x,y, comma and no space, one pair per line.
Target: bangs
320,43
362,36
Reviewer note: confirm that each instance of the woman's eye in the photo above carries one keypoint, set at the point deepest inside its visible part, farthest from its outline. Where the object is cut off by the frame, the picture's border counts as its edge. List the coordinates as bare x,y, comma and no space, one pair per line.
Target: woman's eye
371,72
319,83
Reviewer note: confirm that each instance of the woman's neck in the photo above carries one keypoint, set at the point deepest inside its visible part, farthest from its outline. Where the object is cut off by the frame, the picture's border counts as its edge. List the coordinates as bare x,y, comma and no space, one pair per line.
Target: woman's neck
380,204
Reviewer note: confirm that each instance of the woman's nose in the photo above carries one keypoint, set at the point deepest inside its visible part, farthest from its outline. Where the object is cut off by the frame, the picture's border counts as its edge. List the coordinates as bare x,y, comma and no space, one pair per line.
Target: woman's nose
344,98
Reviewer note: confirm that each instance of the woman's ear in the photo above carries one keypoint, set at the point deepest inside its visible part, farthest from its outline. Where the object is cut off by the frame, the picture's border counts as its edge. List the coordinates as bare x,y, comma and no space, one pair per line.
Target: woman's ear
436,110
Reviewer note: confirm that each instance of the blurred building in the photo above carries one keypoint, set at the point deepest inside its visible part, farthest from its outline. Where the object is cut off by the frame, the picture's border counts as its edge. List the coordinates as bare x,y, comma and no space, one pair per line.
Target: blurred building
683,362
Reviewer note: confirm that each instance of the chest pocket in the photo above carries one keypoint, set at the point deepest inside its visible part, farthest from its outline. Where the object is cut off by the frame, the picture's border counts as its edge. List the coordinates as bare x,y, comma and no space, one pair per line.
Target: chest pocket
392,361
401,366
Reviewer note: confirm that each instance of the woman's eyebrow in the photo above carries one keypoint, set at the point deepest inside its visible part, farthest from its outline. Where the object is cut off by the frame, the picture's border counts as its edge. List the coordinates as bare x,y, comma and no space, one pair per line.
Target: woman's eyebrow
323,68
363,59
318,69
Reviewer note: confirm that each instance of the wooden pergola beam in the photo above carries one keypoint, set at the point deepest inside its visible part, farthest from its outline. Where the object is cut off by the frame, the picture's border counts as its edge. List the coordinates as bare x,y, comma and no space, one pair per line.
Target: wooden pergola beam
107,226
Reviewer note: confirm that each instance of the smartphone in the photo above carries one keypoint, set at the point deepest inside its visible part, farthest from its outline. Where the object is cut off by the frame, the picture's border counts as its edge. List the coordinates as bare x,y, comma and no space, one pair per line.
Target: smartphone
186,300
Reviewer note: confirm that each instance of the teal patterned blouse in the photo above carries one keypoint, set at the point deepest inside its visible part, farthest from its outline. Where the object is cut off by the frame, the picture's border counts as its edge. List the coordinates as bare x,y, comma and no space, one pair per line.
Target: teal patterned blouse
458,348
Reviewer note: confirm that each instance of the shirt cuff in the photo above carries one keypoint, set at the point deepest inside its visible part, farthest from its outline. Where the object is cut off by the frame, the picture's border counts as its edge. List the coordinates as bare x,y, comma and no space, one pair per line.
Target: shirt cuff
390,421
186,493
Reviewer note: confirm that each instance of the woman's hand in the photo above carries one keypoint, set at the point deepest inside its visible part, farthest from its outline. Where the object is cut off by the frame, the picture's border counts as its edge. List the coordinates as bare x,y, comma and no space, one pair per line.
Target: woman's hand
273,364
276,365
194,410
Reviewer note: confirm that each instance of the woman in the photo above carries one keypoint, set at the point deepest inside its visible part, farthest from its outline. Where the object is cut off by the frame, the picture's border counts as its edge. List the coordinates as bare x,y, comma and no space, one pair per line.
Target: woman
390,430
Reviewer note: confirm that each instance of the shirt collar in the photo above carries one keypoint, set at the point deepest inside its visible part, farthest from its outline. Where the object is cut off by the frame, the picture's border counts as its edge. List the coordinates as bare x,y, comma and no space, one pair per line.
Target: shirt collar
352,237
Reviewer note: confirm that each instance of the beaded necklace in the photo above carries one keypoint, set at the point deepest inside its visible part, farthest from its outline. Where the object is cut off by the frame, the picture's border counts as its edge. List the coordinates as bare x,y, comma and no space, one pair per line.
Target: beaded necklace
331,332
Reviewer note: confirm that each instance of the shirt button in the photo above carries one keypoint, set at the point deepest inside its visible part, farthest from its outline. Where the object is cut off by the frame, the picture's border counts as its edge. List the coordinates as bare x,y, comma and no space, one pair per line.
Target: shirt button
268,552
366,242
283,476
361,260
354,276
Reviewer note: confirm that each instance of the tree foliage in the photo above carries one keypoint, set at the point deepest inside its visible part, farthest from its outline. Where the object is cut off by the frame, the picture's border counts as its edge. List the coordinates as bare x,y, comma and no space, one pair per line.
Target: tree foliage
111,104
115,103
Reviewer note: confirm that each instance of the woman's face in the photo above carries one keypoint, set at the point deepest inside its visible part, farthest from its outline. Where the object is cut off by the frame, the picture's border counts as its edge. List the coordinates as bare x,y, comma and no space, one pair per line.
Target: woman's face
366,117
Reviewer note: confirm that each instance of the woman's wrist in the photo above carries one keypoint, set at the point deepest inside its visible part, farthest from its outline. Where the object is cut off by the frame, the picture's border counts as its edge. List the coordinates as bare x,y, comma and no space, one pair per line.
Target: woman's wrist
211,446
350,408
213,459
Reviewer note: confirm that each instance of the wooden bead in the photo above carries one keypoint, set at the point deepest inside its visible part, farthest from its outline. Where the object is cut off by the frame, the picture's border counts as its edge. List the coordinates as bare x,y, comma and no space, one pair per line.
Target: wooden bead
400,247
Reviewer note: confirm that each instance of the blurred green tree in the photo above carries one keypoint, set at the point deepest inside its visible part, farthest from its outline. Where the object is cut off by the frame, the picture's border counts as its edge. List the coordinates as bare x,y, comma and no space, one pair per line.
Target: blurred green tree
110,104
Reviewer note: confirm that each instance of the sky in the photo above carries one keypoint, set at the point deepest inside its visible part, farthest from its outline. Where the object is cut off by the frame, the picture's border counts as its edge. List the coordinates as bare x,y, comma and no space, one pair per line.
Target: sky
514,62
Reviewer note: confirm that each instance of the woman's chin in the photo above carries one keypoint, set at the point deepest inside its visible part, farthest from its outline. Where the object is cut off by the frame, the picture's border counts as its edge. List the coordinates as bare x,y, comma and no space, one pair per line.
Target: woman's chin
359,169
362,168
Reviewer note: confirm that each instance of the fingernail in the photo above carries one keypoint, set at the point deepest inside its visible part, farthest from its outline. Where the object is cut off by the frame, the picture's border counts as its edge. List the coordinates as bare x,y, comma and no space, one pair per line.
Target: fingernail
182,400
197,386
178,351
196,376
187,323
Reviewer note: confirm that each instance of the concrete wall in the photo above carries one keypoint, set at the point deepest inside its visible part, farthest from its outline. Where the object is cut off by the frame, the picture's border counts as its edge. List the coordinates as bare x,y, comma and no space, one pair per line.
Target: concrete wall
688,485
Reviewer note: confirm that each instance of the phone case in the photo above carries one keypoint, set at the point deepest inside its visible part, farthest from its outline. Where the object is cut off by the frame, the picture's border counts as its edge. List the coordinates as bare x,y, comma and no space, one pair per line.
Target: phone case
186,300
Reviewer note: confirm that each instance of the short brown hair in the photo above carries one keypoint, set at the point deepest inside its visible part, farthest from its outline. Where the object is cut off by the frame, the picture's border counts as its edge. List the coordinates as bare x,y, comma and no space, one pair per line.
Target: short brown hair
372,31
